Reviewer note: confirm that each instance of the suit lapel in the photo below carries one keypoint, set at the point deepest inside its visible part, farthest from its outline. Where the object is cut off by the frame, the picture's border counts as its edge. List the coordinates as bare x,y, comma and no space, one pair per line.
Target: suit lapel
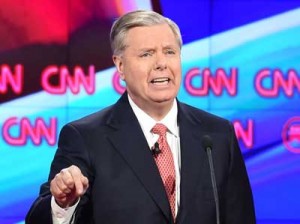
192,157
131,143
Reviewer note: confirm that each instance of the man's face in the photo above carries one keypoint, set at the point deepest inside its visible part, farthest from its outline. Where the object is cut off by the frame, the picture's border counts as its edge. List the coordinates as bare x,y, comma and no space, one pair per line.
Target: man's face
151,65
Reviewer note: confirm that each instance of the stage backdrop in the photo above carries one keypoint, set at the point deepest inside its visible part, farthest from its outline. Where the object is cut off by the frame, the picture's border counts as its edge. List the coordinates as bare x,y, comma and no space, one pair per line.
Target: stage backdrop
240,61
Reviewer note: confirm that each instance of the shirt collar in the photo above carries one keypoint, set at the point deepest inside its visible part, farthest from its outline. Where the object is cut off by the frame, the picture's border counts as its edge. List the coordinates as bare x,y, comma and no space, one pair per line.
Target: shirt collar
147,122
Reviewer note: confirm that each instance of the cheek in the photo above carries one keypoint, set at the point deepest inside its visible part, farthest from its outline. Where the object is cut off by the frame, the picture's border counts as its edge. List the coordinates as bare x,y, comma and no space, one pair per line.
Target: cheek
135,76
141,72
176,68
137,70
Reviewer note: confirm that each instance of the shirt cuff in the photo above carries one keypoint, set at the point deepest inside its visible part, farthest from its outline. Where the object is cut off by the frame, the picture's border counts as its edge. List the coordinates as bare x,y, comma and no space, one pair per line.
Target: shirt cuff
62,215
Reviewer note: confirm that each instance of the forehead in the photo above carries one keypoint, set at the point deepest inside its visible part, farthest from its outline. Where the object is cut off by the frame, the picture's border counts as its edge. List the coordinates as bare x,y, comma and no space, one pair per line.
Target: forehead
150,35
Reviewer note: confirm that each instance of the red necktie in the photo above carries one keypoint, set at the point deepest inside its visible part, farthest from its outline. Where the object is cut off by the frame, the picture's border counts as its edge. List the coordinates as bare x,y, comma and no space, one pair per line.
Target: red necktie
165,164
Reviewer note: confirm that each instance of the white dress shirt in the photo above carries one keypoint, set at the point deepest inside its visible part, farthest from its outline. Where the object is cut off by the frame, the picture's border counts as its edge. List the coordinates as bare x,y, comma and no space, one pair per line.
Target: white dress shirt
170,121
64,215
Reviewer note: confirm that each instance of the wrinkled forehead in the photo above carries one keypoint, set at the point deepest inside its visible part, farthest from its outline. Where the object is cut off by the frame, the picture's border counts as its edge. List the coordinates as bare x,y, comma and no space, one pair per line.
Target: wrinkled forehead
151,35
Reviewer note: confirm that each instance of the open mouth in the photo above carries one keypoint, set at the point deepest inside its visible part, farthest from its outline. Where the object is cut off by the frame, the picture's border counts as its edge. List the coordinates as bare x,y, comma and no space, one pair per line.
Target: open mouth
160,80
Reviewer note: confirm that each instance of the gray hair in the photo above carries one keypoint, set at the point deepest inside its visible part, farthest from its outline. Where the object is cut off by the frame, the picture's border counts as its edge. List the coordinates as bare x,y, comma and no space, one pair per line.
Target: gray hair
138,18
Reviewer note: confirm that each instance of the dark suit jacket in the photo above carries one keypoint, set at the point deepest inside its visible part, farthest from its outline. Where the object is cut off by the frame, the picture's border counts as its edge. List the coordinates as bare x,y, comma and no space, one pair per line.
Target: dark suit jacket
125,186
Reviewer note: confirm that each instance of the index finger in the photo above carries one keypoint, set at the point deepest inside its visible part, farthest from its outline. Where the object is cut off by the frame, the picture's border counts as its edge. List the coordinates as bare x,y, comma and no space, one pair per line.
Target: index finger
80,181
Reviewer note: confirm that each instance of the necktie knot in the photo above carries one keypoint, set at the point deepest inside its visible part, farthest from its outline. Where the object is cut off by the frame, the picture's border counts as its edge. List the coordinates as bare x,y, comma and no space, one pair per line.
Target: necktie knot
159,129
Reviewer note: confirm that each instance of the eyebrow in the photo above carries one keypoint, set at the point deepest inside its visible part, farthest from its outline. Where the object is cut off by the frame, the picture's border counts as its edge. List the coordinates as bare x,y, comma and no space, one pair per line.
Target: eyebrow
153,49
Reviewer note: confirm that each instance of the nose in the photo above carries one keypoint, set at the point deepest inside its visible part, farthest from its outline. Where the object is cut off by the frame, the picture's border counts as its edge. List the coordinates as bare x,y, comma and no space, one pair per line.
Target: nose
161,62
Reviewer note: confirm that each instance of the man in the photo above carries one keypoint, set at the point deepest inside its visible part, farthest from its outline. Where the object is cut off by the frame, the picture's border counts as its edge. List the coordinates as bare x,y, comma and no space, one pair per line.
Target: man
115,166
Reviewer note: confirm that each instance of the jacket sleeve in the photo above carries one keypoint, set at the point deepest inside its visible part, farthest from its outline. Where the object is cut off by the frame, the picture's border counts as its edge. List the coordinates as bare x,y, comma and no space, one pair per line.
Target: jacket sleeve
71,151
40,211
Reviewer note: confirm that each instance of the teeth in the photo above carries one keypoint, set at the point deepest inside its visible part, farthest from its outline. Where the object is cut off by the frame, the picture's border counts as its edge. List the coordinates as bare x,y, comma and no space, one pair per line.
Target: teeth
160,80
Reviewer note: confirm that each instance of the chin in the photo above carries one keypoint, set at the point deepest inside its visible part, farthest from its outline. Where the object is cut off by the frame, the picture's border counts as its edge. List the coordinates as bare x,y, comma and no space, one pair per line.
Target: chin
165,100
161,97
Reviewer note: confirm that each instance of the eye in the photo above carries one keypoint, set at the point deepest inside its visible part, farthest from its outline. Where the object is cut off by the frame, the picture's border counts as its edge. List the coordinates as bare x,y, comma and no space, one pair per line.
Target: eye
170,51
146,54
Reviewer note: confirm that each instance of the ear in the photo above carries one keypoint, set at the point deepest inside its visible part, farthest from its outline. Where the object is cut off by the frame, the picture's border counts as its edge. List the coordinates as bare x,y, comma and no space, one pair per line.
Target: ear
118,61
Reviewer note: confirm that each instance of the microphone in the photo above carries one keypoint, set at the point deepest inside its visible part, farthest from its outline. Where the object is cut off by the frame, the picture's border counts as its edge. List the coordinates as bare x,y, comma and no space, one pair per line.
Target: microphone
155,149
207,144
